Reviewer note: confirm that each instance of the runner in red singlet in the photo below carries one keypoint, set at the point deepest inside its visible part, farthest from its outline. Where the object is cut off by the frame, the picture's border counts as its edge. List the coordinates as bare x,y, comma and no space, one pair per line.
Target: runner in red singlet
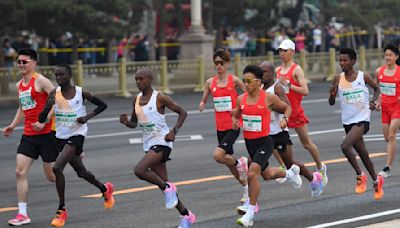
223,90
292,78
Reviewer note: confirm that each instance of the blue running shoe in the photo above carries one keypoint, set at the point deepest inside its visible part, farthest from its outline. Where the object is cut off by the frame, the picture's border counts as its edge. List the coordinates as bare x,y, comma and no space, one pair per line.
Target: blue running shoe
171,198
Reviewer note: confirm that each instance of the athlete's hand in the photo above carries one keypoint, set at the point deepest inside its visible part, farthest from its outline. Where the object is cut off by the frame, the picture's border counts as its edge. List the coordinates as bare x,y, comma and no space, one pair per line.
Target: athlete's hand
7,131
82,119
283,80
38,126
378,106
201,106
235,123
333,90
123,118
170,136
283,123
372,105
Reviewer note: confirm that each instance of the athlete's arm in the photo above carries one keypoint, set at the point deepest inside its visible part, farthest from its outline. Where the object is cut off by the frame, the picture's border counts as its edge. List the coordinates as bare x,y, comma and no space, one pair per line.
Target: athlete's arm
206,92
379,100
101,106
275,104
375,87
46,113
239,83
19,116
45,84
299,77
132,123
280,92
333,90
236,112
172,105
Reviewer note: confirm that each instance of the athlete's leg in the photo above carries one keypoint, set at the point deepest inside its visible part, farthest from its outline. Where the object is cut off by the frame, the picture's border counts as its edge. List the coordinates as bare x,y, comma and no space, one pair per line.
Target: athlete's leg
273,173
222,157
141,170
278,157
80,169
302,132
354,135
287,157
48,171
21,171
392,141
359,146
254,184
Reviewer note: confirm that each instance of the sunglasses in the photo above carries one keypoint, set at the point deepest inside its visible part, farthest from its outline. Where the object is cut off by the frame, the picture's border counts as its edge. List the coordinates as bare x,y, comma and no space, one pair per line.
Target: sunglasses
219,63
24,62
249,80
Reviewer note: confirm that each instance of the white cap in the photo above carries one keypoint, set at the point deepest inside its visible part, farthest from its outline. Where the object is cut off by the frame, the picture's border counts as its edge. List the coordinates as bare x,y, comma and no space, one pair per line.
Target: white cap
287,44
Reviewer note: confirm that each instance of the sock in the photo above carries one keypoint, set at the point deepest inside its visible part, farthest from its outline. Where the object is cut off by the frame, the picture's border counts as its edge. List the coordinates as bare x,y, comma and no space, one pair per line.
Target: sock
165,186
246,189
22,208
251,208
236,162
103,188
185,212
288,174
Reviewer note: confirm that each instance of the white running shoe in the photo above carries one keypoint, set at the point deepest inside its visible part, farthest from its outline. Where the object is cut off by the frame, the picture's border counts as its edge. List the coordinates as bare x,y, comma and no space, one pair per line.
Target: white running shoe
293,175
246,220
241,210
243,167
324,174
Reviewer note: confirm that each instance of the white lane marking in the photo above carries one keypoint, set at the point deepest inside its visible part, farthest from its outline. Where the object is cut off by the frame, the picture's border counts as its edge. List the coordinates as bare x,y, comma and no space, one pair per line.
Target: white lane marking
113,134
377,139
178,138
191,112
355,219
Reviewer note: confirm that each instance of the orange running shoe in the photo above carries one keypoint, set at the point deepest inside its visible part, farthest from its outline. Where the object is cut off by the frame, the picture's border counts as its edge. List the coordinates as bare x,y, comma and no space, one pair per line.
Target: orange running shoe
59,220
378,188
108,196
361,186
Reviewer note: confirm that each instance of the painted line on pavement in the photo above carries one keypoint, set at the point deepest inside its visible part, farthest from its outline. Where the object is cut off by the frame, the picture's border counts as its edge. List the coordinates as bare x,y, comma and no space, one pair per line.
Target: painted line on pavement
191,112
5,209
113,134
355,219
215,178
177,139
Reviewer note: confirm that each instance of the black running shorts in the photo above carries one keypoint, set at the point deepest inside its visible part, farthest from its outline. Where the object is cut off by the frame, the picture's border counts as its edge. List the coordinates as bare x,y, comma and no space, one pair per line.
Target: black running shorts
35,145
164,149
260,150
226,139
281,140
348,127
76,140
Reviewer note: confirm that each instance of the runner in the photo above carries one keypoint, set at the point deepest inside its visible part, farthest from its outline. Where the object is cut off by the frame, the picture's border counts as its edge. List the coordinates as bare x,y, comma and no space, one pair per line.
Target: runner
149,113
254,109
281,137
388,77
33,90
223,89
71,130
353,93
292,78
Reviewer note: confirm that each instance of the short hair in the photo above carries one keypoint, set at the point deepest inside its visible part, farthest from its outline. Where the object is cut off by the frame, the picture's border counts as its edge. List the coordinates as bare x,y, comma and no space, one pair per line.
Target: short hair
29,52
223,54
391,47
254,69
66,67
348,51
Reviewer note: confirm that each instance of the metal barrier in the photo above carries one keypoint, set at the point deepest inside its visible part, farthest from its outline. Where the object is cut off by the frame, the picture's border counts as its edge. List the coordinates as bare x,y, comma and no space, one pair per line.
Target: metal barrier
117,78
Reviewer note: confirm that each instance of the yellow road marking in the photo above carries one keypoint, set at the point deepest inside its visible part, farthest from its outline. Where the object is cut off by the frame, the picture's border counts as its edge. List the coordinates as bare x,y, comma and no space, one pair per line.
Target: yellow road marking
215,178
4,209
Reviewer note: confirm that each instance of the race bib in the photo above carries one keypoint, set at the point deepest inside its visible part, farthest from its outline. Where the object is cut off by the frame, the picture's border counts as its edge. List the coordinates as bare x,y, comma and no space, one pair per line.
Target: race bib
352,96
388,89
66,118
223,104
252,123
148,128
26,100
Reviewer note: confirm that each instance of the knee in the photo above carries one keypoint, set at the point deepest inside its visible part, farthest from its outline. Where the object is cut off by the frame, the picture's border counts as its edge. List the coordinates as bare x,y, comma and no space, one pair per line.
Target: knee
391,137
57,170
307,145
139,171
218,156
81,173
345,147
252,175
20,173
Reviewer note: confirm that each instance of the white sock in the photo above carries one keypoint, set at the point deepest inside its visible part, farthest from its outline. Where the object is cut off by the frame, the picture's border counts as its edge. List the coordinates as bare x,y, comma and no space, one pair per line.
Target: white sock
288,173
22,208
246,189
251,208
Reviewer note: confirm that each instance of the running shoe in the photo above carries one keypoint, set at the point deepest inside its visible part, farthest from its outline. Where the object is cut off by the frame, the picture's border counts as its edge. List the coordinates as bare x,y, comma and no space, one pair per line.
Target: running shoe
19,220
378,188
171,198
245,197
324,174
187,220
282,179
316,184
293,176
59,220
361,186
241,210
246,220
108,196
386,172
243,167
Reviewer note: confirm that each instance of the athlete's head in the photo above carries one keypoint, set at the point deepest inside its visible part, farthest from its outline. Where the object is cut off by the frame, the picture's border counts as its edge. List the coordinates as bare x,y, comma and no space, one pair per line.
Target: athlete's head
144,78
221,60
347,58
286,50
63,73
268,72
391,54
252,76
26,61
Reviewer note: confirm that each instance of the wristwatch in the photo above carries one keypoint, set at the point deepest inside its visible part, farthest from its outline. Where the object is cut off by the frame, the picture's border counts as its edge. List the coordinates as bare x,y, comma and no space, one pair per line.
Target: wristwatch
175,129
289,84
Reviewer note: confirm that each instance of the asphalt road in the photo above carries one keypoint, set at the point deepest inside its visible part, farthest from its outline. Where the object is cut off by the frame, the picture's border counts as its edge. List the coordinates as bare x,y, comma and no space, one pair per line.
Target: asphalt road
212,194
